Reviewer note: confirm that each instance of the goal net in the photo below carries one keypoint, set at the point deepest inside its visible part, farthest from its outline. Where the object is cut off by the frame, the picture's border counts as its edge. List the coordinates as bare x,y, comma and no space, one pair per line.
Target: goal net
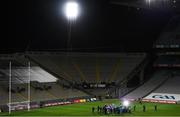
19,105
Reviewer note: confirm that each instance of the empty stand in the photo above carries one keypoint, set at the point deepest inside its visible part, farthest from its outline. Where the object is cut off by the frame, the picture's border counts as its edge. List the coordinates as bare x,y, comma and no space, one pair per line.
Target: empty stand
154,82
170,35
172,85
92,67
44,86
168,60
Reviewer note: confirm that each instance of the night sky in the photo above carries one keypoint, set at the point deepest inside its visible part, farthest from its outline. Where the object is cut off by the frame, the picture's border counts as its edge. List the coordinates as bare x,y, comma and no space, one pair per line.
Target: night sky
101,26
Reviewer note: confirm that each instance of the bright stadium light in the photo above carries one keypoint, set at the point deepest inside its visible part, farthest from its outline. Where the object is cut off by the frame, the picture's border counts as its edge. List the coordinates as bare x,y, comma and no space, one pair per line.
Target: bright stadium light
126,103
71,10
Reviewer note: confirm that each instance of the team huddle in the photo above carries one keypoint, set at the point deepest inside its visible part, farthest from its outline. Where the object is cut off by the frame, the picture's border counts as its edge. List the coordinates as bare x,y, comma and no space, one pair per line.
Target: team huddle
119,109
112,109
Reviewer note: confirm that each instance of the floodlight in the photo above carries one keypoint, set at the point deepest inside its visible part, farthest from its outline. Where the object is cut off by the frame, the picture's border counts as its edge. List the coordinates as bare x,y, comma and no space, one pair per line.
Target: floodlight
71,10
126,103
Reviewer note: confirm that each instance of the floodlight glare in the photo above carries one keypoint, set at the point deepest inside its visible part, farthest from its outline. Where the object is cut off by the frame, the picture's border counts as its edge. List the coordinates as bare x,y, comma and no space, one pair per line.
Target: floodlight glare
126,103
71,10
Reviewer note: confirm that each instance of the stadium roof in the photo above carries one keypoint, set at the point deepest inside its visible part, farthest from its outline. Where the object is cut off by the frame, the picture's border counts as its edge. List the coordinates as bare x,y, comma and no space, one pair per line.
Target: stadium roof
150,4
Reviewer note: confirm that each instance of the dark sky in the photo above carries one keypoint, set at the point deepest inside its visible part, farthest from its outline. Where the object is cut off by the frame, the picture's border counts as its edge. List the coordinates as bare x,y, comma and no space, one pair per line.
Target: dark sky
41,25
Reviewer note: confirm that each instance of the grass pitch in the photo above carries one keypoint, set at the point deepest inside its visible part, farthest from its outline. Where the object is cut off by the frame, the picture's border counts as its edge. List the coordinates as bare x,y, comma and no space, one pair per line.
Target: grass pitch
84,109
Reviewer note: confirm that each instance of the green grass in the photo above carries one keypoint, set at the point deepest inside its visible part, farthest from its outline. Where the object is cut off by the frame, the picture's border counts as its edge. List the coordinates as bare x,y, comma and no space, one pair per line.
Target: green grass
84,109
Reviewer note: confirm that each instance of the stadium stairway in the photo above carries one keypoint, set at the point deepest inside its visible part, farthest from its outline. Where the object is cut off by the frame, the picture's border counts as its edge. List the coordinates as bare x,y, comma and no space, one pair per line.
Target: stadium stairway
121,89
171,86
158,86
157,80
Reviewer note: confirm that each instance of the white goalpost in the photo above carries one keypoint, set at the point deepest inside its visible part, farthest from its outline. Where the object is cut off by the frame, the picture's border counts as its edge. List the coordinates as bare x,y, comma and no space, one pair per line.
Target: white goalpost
29,85
23,104
9,105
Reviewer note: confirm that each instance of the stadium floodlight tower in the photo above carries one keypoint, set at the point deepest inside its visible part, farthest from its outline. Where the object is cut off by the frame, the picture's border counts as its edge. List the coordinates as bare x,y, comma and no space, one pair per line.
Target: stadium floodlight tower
71,11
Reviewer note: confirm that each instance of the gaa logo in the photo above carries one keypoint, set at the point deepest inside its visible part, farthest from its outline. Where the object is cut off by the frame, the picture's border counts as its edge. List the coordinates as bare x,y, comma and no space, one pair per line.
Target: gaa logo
163,97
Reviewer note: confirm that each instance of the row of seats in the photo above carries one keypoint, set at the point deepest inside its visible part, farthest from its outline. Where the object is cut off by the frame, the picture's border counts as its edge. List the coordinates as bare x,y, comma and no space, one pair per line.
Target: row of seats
156,80
170,36
77,67
172,85
91,68
39,78
21,74
168,60
56,92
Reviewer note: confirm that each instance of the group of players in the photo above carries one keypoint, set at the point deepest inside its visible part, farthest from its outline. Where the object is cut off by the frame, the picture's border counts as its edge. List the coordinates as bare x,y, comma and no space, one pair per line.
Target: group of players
112,109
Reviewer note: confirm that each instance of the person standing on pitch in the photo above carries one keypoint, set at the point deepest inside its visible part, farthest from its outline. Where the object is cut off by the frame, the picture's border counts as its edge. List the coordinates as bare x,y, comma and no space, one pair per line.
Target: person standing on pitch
144,108
93,109
134,107
98,109
155,107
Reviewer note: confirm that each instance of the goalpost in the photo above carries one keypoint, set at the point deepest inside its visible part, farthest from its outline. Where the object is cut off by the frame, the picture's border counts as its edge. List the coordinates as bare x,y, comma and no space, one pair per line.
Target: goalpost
22,104
9,104
18,106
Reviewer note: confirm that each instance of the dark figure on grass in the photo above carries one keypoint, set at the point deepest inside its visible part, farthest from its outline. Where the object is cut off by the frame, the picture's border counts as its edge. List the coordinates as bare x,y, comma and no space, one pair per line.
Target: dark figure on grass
134,107
98,108
114,110
105,109
93,109
155,107
140,101
144,108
